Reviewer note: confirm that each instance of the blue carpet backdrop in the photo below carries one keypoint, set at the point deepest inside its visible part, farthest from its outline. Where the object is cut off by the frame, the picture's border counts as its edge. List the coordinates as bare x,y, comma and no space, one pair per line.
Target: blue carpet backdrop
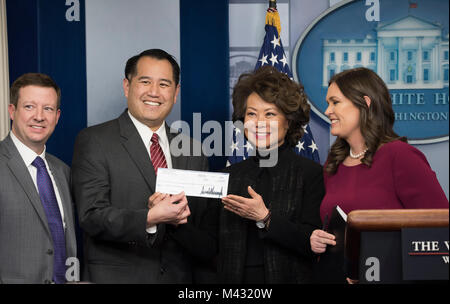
204,64
41,39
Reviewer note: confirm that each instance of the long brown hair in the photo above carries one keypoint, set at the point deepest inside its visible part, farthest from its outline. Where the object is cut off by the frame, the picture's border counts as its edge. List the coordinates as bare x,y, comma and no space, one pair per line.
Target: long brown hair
376,121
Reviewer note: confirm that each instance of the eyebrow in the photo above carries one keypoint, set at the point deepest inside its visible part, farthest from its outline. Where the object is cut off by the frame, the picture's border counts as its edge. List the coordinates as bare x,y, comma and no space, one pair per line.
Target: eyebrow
332,98
33,102
162,79
269,109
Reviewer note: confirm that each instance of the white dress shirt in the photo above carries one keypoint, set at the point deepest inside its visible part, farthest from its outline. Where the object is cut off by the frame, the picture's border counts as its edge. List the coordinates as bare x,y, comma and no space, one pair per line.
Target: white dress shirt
28,157
146,134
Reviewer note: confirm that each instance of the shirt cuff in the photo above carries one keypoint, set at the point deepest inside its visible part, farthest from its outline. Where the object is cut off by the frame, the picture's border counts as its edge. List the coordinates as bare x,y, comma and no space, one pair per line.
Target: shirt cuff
151,230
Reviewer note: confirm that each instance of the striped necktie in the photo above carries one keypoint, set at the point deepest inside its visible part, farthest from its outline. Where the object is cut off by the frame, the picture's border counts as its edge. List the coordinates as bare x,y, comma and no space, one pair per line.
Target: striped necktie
156,154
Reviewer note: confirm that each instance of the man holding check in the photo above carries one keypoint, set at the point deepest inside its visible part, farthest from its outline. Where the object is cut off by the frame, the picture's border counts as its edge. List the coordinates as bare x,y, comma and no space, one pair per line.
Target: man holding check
133,235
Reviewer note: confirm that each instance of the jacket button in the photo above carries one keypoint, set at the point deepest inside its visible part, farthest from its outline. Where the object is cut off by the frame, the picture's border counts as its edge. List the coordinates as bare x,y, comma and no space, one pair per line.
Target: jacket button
49,251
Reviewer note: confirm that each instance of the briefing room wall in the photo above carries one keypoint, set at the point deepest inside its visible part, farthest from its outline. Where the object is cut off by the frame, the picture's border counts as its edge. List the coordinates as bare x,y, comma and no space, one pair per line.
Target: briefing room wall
42,39
84,49
296,17
115,31
247,19
304,14
204,69
86,58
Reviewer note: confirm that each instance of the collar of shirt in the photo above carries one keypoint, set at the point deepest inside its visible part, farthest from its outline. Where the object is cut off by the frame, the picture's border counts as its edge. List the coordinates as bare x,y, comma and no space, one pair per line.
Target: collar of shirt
28,157
146,134
27,154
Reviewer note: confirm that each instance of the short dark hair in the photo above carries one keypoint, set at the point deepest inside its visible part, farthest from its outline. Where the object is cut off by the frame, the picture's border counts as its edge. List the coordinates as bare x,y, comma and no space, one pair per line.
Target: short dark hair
274,87
36,79
131,66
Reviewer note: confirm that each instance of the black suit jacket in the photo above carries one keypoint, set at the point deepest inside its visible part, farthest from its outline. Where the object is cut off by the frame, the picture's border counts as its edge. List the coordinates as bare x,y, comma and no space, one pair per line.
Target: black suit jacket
293,190
113,178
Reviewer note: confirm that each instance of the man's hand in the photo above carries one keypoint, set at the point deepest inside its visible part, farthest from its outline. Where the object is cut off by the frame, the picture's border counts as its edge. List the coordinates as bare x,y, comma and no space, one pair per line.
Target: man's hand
172,209
156,198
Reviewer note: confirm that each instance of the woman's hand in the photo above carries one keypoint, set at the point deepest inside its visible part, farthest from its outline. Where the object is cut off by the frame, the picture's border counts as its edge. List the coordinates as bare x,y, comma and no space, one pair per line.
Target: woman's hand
251,208
320,239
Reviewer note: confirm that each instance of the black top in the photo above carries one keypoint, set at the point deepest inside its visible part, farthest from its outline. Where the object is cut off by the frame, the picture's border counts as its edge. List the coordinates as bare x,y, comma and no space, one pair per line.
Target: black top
293,189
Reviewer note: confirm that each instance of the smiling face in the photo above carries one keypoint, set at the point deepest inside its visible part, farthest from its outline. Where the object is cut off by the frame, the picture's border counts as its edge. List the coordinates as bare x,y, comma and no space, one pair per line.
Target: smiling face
152,92
265,125
343,114
35,116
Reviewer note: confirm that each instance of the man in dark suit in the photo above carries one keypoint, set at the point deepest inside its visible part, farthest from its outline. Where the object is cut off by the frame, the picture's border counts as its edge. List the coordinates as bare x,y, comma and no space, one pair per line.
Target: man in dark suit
37,233
130,237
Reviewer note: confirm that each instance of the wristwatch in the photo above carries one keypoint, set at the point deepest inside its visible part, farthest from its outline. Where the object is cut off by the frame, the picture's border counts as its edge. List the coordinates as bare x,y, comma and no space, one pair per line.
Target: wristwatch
264,222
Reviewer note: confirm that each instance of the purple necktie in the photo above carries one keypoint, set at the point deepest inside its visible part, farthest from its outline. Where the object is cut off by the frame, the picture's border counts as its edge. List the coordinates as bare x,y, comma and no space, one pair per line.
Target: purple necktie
48,199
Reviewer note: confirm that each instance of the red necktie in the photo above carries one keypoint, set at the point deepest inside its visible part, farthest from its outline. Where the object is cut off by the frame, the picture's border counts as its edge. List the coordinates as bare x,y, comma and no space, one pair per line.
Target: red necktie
156,154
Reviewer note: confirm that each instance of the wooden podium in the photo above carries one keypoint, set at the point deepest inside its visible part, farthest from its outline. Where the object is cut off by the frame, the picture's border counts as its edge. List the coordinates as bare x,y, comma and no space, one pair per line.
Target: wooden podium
378,233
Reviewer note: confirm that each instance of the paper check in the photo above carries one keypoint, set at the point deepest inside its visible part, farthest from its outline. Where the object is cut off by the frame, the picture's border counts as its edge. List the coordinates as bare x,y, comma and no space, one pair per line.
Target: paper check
193,183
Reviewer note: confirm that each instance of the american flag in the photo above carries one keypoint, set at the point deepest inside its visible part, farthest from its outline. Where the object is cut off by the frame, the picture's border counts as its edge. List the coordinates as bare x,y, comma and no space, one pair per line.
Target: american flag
272,53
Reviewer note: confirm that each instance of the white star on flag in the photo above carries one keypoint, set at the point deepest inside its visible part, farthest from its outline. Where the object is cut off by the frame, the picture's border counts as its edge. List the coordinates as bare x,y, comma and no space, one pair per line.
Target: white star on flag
313,146
275,42
273,59
234,146
305,129
248,146
300,145
284,60
263,60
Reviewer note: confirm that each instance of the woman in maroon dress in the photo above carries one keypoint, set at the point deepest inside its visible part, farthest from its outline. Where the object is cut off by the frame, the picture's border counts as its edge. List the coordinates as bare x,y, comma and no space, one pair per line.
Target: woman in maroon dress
369,166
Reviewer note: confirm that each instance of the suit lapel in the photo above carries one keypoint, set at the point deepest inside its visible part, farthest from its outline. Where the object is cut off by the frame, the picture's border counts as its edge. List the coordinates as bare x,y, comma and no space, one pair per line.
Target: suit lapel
22,175
133,144
66,201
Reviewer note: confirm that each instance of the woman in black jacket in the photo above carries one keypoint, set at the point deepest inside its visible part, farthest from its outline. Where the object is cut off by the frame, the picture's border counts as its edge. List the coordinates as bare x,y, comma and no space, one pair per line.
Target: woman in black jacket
273,206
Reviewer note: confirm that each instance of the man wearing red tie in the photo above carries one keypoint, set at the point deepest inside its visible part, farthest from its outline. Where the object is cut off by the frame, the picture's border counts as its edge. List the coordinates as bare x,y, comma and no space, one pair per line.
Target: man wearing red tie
131,237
